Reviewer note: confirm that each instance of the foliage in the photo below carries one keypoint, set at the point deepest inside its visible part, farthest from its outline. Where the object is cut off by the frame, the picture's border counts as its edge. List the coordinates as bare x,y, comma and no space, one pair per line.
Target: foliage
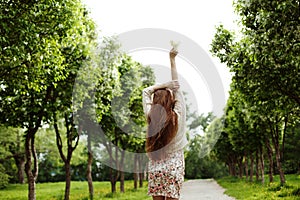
200,162
124,121
292,149
43,43
201,121
37,40
12,152
197,167
264,96
50,163
4,178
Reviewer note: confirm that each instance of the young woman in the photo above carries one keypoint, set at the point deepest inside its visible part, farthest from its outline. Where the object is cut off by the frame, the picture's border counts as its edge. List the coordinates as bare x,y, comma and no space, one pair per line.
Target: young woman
164,107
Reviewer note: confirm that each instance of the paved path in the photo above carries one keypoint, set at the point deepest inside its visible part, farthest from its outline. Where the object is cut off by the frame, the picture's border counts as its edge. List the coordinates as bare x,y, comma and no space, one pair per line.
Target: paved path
203,189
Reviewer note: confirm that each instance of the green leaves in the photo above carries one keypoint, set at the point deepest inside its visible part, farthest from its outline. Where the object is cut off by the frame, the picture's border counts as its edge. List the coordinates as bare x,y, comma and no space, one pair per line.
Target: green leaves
265,65
222,44
43,44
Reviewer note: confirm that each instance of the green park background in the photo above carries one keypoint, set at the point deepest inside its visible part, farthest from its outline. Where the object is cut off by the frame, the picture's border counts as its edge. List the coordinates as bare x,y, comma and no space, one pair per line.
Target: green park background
49,49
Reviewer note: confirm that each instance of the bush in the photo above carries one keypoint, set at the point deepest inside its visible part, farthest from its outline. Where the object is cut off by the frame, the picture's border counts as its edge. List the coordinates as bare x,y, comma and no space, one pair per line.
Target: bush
4,178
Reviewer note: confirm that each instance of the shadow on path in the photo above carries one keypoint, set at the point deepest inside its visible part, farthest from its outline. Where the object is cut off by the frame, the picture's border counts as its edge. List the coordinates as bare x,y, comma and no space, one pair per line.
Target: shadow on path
203,189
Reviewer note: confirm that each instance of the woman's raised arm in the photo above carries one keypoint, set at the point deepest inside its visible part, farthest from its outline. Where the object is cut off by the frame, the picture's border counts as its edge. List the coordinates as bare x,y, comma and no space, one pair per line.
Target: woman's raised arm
174,73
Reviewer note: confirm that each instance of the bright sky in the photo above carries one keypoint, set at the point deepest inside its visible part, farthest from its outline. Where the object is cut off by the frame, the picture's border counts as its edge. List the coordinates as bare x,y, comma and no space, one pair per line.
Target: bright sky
193,18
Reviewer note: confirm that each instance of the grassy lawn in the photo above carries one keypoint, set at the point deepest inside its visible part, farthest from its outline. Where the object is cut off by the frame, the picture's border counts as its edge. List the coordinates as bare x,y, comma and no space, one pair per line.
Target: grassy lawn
241,189
79,190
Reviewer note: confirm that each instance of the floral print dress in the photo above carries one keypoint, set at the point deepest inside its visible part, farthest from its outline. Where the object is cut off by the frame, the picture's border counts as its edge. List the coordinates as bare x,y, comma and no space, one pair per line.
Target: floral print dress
166,176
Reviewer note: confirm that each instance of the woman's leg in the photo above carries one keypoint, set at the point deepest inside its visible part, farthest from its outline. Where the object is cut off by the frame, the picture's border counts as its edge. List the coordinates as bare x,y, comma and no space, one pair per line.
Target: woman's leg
158,197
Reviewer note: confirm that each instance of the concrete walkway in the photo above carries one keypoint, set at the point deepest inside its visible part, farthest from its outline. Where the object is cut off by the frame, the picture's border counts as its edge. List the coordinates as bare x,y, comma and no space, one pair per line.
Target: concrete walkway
203,189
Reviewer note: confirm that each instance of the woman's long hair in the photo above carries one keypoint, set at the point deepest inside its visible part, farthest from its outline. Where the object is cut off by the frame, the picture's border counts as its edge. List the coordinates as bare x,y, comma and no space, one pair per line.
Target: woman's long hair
162,124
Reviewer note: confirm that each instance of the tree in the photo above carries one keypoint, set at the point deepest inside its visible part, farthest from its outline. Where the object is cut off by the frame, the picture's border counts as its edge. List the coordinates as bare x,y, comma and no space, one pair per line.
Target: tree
224,151
272,27
96,84
199,155
78,53
36,40
123,123
137,142
292,149
52,167
264,62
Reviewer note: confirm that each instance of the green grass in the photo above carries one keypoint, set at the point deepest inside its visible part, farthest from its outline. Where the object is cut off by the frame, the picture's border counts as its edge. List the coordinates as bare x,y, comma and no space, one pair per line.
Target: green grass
79,191
242,189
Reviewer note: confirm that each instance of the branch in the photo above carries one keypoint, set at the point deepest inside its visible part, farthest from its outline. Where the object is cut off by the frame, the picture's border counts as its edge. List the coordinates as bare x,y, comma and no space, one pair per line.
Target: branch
58,139
35,163
76,132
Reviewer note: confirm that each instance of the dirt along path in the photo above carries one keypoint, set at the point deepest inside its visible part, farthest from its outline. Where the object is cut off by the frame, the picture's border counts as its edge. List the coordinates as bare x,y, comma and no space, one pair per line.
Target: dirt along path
203,189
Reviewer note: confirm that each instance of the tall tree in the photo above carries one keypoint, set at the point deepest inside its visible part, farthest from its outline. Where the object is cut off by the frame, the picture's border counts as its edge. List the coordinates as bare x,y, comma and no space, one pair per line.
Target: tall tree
137,142
123,123
37,37
96,85
273,29
264,61
224,151
79,52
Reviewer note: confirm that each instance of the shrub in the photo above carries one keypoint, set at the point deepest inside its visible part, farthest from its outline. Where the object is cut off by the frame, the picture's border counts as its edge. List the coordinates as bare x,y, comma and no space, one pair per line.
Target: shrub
4,178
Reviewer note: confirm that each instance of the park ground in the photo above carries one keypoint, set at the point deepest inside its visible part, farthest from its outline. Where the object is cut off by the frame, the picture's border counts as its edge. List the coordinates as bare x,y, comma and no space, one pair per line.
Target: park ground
203,189
222,189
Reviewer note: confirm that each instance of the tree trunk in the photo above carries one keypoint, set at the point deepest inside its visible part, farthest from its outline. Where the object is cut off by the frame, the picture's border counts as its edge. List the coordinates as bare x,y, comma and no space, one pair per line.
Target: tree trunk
275,139
270,158
234,164
233,170
122,188
240,164
122,178
262,165
113,180
257,166
30,153
141,174
20,163
283,138
231,167
31,187
135,174
246,166
251,167
19,157
113,186
113,176
71,136
141,179
68,180
279,166
89,169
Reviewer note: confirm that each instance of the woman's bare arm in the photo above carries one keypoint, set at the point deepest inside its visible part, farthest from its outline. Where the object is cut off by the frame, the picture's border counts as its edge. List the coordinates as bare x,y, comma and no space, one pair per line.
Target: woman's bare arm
174,73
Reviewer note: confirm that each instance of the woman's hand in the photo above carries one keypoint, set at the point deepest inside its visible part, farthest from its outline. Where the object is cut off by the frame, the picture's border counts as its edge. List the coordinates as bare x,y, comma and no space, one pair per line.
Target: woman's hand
173,85
173,53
